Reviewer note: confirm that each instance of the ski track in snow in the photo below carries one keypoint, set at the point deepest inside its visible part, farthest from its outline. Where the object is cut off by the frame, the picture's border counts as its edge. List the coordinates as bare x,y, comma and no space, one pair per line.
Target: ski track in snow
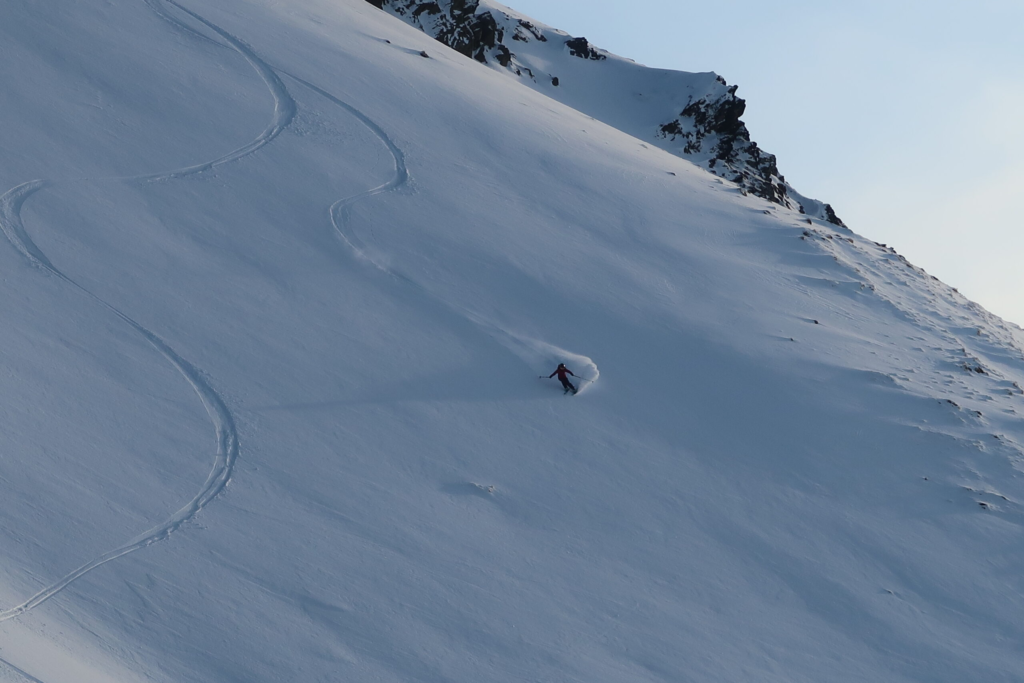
284,105
341,209
227,436
534,352
285,109
158,8
23,674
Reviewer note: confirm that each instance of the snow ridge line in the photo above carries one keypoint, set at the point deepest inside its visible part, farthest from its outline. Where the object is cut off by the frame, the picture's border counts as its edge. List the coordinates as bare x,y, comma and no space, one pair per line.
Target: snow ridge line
341,214
284,105
14,230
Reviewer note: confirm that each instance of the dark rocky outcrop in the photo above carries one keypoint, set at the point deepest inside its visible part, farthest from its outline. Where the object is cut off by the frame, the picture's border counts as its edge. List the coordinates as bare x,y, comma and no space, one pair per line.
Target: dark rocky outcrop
713,133
581,47
712,127
708,130
457,24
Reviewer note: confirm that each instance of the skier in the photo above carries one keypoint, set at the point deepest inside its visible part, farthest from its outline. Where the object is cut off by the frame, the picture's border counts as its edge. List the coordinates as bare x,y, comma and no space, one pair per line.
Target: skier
562,371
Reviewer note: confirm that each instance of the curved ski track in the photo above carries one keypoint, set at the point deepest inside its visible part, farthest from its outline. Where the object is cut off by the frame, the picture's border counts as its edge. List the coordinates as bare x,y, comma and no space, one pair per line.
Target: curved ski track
341,213
227,436
28,677
285,110
341,210
284,105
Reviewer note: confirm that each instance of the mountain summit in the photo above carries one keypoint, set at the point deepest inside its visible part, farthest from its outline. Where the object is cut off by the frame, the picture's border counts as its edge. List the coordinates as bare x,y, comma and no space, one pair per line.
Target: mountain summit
695,116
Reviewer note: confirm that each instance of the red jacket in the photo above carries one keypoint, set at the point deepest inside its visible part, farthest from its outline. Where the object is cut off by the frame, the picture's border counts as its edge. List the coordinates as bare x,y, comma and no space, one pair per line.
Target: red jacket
561,371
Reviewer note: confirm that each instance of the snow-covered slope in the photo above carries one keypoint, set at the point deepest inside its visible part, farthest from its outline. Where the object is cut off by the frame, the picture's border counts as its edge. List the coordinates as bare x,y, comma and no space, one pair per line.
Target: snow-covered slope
277,294
693,115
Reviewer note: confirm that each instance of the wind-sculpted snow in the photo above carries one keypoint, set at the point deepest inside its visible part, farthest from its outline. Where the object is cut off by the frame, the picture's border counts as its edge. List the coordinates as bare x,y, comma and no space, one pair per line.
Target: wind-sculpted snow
969,334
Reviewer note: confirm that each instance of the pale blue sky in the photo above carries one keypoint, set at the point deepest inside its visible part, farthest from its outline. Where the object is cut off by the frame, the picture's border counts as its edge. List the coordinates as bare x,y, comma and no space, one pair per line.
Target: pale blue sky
907,116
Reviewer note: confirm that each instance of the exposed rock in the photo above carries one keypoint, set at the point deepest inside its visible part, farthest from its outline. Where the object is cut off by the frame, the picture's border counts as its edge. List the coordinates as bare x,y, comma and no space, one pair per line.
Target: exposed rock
831,217
581,47
708,130
711,127
457,24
